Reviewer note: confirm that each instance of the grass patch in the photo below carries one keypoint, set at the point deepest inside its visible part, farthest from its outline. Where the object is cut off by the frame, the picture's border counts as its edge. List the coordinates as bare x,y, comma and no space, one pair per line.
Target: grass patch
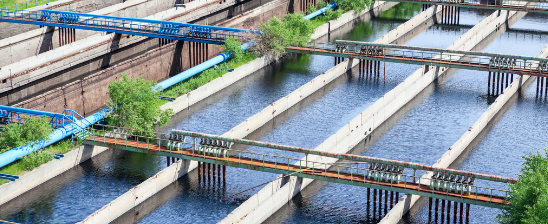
23,5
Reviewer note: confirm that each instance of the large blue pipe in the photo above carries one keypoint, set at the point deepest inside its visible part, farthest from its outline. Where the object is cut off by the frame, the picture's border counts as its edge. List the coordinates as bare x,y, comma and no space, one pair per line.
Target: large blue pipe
322,10
17,153
33,112
220,58
59,133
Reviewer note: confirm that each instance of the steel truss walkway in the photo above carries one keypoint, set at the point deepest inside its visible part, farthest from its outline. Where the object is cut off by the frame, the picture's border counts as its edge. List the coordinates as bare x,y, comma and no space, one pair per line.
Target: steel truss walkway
130,26
487,4
472,60
383,174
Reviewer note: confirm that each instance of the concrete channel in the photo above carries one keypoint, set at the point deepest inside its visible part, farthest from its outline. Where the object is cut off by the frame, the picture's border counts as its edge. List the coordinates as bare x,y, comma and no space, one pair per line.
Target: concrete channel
366,122
459,152
281,111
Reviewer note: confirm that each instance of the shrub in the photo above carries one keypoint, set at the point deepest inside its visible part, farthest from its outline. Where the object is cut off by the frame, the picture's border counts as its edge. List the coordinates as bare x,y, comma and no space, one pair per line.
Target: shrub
136,104
277,35
35,159
528,197
233,47
356,5
31,131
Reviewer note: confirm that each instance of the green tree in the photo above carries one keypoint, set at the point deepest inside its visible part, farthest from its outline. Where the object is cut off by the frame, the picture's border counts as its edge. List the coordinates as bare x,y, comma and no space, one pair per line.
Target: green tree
529,196
233,47
356,5
136,104
277,35
31,131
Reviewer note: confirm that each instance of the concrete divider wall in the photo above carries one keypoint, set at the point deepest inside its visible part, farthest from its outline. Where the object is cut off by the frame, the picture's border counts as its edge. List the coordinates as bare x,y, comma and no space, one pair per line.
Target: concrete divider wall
47,171
83,6
407,201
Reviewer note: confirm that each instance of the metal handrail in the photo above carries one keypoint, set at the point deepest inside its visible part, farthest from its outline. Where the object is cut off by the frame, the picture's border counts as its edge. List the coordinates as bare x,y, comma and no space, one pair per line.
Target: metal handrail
353,171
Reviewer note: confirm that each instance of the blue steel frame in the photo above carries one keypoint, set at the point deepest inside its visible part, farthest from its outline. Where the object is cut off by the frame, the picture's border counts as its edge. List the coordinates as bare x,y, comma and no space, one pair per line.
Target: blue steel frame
129,26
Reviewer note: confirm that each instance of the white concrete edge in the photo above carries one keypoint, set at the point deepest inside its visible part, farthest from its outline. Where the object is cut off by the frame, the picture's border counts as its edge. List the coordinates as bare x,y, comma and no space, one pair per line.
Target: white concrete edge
47,171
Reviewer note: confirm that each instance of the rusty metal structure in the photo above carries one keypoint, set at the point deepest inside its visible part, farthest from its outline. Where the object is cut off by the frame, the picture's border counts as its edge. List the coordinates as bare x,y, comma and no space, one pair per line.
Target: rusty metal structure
370,172
472,60
490,4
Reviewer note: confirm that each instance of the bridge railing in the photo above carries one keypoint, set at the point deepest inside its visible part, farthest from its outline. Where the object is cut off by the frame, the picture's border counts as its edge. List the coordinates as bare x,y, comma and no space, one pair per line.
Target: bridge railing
431,56
132,26
540,5
388,173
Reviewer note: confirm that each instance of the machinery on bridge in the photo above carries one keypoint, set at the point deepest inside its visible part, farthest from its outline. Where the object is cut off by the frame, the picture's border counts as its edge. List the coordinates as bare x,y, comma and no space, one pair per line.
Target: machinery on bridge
472,60
370,172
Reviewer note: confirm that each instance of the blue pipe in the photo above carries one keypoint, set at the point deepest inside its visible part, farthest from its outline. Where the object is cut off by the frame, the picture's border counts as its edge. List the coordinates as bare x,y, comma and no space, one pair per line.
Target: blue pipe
17,153
322,10
220,58
150,21
60,133
33,112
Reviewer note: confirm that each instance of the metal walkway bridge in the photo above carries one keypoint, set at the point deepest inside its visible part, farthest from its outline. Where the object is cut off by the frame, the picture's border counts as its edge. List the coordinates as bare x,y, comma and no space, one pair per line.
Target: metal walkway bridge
488,4
130,26
472,60
383,174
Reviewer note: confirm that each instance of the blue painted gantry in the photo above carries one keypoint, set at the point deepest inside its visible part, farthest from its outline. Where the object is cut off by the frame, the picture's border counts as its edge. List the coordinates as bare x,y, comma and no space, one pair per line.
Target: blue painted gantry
129,26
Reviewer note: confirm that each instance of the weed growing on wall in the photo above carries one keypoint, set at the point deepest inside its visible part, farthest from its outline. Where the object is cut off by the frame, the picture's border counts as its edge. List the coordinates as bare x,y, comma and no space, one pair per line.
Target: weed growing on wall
35,159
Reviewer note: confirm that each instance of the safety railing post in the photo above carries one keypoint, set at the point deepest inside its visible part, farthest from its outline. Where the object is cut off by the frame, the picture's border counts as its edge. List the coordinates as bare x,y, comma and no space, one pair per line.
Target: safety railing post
194,147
